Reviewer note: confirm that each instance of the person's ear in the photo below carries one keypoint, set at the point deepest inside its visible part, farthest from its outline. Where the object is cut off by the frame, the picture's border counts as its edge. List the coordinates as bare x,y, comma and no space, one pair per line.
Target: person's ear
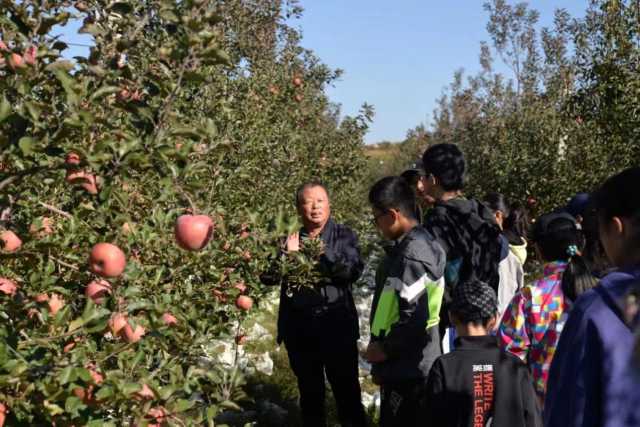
395,215
493,323
618,225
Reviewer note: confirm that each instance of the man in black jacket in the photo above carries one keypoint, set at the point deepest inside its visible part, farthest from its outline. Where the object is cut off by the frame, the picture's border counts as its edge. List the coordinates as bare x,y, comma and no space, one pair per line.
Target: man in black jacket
319,325
477,384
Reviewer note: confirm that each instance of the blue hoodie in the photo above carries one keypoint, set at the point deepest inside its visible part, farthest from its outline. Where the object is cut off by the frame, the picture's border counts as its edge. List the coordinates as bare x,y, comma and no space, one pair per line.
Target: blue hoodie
585,386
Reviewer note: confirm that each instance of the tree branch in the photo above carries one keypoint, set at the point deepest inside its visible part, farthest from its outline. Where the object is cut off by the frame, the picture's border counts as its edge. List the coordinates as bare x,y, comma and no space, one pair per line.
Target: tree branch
56,210
65,264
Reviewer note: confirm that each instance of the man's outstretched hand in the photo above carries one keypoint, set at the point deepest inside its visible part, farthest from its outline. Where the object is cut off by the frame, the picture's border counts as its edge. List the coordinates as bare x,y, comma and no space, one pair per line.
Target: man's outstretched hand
293,242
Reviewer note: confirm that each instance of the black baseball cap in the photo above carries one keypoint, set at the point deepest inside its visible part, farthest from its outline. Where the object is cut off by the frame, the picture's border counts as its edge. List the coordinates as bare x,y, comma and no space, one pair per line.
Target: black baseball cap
551,223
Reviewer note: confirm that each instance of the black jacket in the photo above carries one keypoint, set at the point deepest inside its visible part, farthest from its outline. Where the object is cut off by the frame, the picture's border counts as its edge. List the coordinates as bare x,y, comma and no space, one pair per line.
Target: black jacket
330,307
477,383
467,231
410,284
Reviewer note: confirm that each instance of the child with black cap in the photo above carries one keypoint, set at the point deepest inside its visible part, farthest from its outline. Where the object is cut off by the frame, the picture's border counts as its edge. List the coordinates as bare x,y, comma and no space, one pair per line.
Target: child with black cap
477,384
532,323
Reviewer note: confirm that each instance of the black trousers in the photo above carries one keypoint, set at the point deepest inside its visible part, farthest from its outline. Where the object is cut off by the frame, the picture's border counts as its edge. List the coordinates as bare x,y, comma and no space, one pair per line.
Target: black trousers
402,403
311,360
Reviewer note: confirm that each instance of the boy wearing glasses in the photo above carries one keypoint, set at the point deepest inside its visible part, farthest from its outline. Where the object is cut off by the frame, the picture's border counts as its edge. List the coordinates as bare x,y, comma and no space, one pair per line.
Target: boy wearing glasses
406,305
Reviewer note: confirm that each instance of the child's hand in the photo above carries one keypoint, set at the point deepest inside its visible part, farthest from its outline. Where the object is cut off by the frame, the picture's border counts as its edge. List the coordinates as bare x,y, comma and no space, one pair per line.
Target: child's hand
375,353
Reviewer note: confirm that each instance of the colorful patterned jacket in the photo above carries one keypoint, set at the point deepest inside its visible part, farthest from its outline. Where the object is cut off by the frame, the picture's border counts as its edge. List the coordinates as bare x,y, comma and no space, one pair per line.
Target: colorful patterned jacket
531,325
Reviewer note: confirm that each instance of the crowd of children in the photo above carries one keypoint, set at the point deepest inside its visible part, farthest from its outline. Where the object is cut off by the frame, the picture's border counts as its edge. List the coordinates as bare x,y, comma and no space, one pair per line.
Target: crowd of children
559,350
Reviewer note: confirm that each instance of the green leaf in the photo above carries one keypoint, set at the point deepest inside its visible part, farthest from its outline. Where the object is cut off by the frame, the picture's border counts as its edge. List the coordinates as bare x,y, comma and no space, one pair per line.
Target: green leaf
68,84
104,91
230,405
73,405
67,375
130,388
100,423
104,393
75,324
5,108
165,392
33,109
53,408
184,405
26,144
83,374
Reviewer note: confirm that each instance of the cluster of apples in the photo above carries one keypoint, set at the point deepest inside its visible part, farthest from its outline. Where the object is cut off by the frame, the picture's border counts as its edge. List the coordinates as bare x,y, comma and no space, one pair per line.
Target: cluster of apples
15,60
78,176
297,83
193,232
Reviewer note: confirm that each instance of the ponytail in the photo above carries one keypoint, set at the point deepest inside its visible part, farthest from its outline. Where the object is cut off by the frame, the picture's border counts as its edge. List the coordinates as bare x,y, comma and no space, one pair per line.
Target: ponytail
577,277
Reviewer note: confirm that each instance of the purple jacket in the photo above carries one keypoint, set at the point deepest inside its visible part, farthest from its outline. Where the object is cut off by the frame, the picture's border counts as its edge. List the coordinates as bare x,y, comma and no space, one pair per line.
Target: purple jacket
586,381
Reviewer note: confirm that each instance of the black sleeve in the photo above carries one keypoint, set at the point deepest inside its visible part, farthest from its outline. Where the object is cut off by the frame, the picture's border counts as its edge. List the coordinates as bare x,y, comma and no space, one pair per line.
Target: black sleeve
436,398
410,329
532,416
342,263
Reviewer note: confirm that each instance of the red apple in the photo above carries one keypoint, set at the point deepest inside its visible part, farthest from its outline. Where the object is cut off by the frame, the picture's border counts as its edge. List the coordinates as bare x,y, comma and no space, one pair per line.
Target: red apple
193,231
219,295
158,413
531,201
30,55
3,408
7,286
246,255
86,180
107,260
297,81
240,286
117,322
169,319
72,159
127,228
96,376
241,339
85,394
145,394
16,61
10,242
71,344
97,290
274,90
91,185
132,335
298,97
244,303
56,302
45,228
3,47
40,298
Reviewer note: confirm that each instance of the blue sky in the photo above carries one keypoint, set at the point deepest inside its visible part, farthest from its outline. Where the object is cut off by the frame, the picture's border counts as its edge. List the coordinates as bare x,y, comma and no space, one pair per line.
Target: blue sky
400,55
397,56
